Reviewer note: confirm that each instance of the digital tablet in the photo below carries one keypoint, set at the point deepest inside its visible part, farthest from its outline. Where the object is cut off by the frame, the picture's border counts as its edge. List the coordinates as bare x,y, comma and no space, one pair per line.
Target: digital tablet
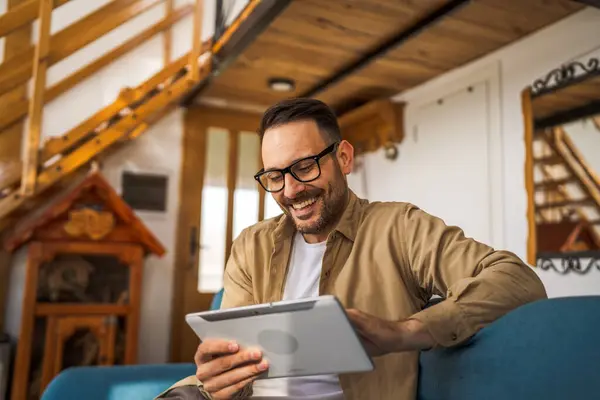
304,337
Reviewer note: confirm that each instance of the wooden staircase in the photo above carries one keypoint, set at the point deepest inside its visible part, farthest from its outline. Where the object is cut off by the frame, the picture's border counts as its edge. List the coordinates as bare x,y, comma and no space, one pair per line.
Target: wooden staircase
566,192
130,115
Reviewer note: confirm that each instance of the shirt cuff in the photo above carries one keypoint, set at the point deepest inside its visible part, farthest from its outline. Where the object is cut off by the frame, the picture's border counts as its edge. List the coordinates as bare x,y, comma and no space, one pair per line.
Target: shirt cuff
445,323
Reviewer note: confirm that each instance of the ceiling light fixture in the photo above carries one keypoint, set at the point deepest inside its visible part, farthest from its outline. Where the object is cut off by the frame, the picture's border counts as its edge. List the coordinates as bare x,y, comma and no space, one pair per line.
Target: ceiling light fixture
281,84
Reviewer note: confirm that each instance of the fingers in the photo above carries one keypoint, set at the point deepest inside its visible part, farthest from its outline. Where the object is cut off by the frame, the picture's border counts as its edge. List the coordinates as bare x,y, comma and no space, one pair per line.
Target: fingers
234,380
212,347
225,363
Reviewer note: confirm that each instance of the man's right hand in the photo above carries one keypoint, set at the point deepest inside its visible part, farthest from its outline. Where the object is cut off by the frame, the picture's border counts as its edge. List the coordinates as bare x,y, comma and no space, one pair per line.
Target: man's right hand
224,368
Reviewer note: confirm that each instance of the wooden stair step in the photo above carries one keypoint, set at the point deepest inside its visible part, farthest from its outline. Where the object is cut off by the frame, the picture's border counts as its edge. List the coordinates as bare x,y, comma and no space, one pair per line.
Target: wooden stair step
554,184
549,160
566,203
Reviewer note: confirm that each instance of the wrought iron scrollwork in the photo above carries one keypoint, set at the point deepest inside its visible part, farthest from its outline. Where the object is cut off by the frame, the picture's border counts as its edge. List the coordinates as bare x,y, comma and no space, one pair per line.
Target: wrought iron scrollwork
569,262
565,74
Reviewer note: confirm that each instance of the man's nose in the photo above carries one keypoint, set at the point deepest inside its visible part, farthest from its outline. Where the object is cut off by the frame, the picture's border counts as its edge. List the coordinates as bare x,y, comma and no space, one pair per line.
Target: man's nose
292,186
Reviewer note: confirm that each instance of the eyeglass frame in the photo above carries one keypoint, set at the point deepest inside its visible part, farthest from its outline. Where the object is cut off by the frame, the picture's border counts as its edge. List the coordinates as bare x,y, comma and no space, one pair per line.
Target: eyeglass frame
329,149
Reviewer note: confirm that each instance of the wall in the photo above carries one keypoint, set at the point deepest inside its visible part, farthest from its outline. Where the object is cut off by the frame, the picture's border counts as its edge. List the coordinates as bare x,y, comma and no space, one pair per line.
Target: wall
517,66
158,150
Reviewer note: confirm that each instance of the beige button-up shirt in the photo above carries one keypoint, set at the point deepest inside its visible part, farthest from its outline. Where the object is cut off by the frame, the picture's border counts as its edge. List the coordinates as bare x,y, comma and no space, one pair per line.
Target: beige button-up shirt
388,259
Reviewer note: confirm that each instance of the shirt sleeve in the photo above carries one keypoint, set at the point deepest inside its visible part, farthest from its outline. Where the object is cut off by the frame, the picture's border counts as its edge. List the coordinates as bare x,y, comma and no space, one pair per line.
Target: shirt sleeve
479,283
237,282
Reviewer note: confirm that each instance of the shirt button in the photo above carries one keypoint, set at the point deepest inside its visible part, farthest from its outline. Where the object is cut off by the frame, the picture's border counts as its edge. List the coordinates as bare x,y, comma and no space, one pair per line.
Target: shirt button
327,273
273,271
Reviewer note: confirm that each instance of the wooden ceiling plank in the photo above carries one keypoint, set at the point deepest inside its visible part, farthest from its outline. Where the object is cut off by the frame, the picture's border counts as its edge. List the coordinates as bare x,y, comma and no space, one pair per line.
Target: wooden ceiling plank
24,13
19,109
417,28
18,69
471,32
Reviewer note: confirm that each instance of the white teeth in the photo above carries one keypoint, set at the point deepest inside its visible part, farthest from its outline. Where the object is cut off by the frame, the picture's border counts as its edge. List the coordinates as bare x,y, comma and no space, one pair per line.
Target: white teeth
305,203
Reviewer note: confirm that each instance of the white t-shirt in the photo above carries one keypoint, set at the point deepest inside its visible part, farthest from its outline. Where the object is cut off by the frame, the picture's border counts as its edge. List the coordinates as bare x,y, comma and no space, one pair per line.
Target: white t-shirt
303,279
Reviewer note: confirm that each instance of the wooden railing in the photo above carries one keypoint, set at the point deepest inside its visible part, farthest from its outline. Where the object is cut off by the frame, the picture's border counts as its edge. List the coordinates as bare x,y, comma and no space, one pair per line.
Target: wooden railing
577,163
134,110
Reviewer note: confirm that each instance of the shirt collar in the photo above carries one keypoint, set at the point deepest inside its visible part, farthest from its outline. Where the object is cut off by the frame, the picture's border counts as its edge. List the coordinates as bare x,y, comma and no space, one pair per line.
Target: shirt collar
352,216
347,226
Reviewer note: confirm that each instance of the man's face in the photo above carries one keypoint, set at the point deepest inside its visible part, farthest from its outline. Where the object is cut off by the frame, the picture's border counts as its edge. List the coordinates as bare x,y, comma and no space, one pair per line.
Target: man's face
317,205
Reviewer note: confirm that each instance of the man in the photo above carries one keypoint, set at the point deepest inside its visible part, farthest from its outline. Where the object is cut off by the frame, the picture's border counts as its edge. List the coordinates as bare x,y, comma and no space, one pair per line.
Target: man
384,261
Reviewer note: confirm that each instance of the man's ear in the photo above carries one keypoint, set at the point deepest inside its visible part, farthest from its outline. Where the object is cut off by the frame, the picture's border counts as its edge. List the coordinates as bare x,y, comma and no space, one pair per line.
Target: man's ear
345,157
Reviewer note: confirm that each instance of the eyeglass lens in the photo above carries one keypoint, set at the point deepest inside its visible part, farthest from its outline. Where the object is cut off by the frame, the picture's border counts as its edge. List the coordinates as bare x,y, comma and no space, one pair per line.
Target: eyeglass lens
304,171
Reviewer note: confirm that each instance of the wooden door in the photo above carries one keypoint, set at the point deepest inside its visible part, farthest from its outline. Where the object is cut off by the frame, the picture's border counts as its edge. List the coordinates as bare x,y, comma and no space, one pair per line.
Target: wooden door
218,198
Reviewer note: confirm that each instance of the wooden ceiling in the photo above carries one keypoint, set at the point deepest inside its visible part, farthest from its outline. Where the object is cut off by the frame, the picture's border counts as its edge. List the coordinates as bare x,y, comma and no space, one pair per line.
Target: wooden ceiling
313,40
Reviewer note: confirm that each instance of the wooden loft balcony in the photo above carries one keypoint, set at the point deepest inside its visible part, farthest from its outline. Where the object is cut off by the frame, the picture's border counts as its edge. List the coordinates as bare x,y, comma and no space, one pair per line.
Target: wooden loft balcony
351,55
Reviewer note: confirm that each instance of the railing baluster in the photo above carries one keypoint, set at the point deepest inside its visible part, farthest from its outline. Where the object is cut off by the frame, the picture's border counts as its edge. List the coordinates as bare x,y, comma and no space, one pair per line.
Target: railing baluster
40,65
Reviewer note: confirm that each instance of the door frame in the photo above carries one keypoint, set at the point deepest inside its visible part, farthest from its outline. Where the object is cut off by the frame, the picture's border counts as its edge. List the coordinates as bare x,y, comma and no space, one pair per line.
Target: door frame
186,298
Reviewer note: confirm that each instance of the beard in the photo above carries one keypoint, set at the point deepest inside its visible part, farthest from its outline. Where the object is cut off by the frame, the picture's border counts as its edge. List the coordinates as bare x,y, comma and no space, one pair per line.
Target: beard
330,201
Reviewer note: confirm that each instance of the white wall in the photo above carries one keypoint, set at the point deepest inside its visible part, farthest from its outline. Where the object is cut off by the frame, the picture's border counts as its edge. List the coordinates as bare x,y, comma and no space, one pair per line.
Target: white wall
158,150
519,64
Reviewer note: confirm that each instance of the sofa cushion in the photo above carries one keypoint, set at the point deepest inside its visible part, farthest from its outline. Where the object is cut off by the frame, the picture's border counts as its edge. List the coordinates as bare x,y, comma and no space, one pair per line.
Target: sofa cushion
548,349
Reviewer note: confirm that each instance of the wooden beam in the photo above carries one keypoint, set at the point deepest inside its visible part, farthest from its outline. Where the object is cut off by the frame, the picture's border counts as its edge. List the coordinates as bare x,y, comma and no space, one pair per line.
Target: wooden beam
17,110
554,183
40,65
549,160
25,13
586,201
18,69
167,37
374,124
196,41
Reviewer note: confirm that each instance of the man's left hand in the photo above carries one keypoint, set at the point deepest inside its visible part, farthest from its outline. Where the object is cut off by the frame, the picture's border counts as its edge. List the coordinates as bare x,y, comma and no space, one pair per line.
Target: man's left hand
382,337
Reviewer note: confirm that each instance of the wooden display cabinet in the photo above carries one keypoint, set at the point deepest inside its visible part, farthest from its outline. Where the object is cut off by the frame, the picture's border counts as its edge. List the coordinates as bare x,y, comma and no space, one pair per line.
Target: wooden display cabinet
81,303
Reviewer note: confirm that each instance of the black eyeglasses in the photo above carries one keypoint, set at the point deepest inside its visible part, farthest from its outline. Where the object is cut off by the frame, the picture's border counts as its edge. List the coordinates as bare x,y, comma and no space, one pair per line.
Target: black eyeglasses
304,170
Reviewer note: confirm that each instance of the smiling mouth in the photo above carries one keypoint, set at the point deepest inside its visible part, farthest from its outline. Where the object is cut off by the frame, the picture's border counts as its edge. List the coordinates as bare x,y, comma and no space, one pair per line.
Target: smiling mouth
303,204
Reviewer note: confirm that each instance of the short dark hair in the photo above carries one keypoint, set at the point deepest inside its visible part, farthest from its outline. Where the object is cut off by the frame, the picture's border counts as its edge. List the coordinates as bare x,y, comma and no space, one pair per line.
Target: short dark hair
302,109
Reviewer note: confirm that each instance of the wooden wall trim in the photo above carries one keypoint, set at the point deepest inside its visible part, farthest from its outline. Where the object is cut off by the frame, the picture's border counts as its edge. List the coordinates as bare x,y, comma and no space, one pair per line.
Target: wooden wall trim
529,176
232,169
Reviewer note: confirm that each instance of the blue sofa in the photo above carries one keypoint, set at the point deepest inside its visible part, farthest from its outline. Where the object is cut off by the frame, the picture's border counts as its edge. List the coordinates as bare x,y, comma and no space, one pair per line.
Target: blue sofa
547,350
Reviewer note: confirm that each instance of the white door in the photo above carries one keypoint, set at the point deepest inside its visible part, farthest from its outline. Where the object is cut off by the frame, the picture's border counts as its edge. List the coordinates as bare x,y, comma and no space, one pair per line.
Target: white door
443,165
